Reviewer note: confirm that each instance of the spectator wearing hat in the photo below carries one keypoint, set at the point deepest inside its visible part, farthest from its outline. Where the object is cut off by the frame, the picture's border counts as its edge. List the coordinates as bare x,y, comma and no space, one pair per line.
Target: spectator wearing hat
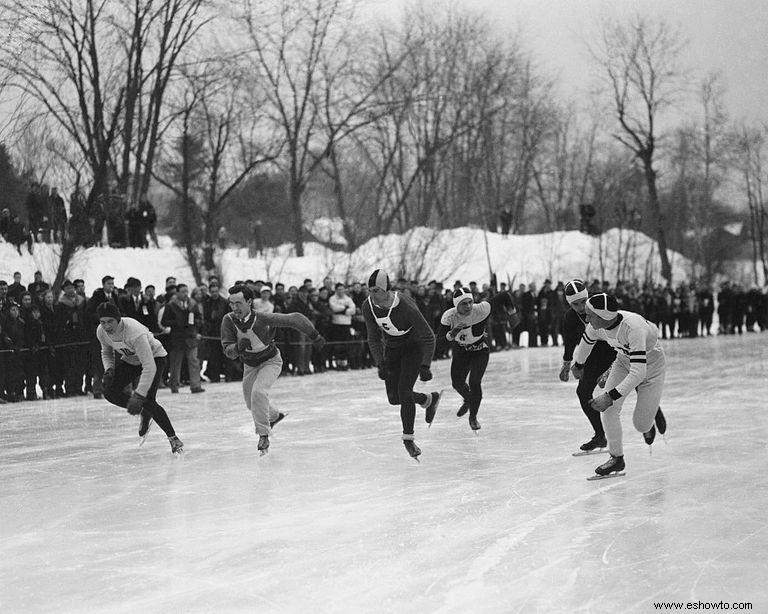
640,366
35,357
16,289
101,295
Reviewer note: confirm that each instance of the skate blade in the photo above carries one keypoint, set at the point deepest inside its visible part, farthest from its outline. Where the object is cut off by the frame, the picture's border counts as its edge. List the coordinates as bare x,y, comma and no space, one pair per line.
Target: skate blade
590,452
594,478
142,440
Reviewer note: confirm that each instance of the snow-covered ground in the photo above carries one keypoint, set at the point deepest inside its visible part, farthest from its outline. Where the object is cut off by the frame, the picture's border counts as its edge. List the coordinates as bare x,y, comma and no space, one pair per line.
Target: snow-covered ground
423,254
337,518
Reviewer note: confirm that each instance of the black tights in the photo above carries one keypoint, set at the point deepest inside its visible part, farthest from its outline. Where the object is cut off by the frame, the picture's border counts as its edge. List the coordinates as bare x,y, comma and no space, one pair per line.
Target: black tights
473,364
402,364
598,362
124,375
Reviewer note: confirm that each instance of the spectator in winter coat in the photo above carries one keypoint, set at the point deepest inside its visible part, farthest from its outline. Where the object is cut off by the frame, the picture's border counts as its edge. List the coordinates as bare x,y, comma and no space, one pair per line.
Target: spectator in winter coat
215,307
299,342
100,295
14,367
73,355
340,330
183,317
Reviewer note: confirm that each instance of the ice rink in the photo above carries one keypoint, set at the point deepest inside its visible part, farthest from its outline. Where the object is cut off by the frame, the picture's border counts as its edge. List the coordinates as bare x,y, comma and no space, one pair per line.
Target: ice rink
338,518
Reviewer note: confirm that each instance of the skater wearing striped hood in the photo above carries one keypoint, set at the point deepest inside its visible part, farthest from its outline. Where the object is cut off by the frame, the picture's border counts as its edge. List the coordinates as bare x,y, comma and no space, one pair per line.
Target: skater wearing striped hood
465,325
599,361
640,365
250,336
402,345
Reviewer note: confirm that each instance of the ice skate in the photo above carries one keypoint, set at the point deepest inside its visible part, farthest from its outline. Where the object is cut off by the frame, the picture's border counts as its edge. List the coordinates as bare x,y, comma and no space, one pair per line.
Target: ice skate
432,407
596,445
661,421
145,424
612,468
473,423
412,449
463,409
650,435
177,446
280,416
263,446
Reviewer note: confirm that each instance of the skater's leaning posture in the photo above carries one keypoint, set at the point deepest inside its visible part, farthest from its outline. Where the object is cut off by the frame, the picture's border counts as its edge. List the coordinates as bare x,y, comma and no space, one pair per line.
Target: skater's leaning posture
465,325
402,345
250,336
129,350
640,365
597,363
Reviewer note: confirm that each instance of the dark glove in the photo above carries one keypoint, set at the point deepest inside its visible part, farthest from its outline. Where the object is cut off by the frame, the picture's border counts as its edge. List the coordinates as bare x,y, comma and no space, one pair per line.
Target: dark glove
383,371
243,344
135,404
108,378
318,342
565,370
577,370
425,374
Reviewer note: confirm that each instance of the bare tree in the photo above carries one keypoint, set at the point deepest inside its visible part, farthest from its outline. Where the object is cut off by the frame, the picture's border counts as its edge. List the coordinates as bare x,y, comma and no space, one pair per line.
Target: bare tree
69,72
751,146
639,61
221,140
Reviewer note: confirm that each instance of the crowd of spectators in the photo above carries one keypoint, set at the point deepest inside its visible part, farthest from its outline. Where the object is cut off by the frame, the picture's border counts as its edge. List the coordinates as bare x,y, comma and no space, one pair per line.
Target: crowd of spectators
108,220
48,343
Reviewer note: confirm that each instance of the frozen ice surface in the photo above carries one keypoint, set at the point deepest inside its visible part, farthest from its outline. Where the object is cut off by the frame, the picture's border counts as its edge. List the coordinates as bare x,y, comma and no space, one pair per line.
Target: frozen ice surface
337,517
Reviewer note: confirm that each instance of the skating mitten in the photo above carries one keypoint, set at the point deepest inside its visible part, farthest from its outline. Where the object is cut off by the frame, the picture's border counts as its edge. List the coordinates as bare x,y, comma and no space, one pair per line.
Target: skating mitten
243,344
601,403
603,378
108,378
135,404
383,371
577,370
425,374
565,370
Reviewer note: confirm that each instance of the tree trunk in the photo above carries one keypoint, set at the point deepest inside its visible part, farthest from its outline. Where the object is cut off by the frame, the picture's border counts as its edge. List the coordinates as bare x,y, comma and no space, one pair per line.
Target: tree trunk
295,190
655,208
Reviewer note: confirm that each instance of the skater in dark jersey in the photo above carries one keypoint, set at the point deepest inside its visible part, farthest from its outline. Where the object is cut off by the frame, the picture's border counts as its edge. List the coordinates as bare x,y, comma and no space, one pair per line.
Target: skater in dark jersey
402,345
600,360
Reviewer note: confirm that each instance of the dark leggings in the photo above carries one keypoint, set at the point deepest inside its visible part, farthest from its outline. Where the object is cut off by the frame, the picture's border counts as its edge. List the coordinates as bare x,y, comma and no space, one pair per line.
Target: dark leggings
124,375
473,364
598,362
402,364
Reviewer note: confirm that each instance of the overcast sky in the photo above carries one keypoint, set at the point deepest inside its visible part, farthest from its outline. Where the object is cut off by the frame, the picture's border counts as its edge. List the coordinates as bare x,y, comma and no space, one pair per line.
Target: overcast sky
729,35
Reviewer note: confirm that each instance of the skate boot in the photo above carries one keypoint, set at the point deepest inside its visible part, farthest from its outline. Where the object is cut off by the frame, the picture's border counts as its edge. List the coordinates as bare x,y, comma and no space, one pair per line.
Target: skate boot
463,409
434,401
612,468
177,446
473,423
650,435
412,448
596,443
145,423
280,416
263,446
661,421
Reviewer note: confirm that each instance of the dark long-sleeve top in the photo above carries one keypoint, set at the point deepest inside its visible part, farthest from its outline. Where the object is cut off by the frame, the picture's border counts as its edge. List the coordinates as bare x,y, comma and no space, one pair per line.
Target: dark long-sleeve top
573,328
400,324
259,329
